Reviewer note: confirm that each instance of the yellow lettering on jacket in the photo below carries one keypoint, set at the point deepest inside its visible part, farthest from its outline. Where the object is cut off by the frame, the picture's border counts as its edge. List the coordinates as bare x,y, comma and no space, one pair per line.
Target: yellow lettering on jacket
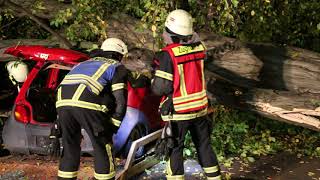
182,50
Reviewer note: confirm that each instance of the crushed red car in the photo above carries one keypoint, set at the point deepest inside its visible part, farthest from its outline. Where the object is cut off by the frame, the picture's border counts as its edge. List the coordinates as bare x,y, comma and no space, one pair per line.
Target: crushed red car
33,113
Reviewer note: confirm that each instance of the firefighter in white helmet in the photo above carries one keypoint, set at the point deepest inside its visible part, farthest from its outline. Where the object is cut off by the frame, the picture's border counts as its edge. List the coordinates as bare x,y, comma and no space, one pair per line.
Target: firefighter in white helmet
18,72
179,79
92,96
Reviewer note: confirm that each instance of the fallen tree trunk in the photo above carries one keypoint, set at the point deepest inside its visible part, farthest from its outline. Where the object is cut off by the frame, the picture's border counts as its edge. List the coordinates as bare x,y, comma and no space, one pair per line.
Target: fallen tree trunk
291,107
281,83
263,78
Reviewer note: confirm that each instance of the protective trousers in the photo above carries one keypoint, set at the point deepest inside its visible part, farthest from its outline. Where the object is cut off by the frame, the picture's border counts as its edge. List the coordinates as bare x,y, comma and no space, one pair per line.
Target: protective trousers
99,129
200,132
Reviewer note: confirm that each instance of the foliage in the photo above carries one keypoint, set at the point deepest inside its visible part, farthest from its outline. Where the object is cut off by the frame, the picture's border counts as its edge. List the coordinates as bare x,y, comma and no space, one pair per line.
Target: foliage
295,22
238,133
27,28
85,20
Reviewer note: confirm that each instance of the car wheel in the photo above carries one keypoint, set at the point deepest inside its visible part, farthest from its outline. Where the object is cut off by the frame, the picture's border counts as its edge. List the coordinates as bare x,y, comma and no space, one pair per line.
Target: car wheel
137,132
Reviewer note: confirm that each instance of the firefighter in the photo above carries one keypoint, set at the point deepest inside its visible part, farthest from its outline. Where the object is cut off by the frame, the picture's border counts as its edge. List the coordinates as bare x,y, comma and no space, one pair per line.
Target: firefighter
92,96
18,72
179,78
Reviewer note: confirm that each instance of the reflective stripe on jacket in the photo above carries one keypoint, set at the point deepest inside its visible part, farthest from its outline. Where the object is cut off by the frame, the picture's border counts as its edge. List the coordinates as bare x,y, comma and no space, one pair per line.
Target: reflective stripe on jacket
94,74
189,90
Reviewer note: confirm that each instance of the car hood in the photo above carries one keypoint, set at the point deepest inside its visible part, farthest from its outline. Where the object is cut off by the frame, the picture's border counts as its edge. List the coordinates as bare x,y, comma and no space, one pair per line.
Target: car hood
42,53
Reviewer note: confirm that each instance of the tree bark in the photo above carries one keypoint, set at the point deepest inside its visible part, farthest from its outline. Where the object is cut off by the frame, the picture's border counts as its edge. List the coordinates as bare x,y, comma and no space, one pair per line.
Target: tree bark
271,80
15,6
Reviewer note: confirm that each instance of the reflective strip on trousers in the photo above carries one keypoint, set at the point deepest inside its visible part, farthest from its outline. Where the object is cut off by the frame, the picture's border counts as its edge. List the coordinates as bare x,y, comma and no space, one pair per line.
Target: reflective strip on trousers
115,122
184,116
109,152
175,177
214,178
104,176
168,168
212,169
81,104
65,174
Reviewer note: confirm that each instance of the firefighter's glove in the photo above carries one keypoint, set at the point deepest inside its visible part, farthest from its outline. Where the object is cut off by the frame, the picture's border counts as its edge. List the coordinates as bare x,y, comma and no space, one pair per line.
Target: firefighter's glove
138,80
167,107
55,134
165,145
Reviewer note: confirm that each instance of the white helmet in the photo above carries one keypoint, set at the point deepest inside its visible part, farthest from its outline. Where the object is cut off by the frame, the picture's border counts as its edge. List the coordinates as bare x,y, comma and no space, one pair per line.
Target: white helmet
114,44
180,22
17,70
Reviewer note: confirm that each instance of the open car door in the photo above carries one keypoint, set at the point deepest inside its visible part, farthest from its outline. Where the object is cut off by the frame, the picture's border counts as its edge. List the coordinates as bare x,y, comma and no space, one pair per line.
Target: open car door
42,53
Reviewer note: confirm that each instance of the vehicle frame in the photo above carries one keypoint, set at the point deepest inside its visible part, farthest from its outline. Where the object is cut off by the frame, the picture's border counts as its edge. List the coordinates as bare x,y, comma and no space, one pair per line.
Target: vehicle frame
24,133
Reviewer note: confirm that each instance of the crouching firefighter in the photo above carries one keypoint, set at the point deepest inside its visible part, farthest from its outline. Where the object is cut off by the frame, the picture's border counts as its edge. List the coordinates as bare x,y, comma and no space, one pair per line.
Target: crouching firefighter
179,78
92,96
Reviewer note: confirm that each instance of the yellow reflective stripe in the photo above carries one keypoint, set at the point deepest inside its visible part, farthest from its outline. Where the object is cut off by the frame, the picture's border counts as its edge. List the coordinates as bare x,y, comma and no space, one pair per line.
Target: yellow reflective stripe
100,71
115,122
189,97
182,50
184,116
214,178
82,81
183,89
164,75
203,78
78,92
169,171
82,78
81,104
192,104
175,177
86,77
104,176
108,148
109,61
118,86
59,97
65,174
212,169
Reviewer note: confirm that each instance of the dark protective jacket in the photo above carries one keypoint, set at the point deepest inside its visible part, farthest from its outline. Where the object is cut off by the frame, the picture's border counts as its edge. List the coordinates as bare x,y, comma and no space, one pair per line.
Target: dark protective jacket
103,77
180,80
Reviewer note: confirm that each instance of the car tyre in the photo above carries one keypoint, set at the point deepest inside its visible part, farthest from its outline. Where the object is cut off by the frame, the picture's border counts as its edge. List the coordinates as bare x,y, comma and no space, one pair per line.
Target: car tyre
137,132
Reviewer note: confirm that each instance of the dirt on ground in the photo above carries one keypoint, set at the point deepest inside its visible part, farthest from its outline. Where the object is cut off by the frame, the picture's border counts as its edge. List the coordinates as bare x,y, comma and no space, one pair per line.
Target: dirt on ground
36,167
283,166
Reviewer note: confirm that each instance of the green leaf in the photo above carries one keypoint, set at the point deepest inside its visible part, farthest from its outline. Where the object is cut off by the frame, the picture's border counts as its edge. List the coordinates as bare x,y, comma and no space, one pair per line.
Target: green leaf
148,172
187,152
251,159
235,3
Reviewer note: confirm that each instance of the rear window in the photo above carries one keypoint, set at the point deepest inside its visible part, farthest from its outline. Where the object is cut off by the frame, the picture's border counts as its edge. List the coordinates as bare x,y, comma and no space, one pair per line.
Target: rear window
42,93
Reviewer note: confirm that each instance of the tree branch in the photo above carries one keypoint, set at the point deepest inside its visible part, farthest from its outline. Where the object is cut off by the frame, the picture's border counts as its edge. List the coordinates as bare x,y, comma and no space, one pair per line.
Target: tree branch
15,6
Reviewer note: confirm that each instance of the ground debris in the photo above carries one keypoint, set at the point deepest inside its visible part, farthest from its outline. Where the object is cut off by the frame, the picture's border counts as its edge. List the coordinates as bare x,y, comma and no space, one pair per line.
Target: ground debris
14,175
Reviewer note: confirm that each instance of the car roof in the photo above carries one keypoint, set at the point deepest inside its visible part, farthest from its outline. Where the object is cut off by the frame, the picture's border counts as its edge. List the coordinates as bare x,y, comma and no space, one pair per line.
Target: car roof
42,53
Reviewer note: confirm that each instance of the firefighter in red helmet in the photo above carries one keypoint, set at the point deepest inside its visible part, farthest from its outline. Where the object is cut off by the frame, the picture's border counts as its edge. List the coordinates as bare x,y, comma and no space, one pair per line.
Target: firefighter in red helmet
179,78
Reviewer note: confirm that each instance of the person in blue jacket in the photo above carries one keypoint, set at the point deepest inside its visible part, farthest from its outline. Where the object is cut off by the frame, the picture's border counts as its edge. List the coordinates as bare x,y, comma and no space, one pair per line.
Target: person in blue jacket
92,96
